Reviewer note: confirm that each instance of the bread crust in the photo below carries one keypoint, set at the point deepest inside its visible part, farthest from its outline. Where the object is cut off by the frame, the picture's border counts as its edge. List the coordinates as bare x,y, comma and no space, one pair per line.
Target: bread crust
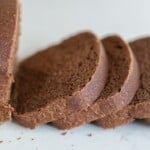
9,26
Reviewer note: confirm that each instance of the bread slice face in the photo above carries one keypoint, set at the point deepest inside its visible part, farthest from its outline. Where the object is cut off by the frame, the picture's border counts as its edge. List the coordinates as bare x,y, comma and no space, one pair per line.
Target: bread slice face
9,30
122,83
64,78
139,108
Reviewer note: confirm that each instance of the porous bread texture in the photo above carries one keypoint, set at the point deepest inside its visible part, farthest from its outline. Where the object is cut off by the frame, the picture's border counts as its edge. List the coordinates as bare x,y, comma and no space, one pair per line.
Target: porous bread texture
122,83
139,108
60,80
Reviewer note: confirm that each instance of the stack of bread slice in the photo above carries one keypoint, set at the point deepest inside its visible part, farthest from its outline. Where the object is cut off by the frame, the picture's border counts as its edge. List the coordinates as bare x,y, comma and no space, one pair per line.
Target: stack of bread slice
83,79
139,108
122,83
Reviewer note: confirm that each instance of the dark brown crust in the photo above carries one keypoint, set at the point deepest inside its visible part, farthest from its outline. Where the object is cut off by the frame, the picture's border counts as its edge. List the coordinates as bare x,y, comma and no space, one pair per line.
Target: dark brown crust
140,106
78,100
8,27
114,101
9,18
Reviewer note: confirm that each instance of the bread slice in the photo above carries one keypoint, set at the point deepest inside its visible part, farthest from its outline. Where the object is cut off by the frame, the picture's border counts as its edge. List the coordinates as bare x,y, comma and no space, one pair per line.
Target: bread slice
121,85
9,26
60,80
140,105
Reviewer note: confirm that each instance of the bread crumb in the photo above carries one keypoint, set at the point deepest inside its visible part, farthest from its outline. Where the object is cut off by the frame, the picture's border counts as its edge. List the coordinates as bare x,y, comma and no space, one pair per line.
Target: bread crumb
19,138
1,141
63,133
89,134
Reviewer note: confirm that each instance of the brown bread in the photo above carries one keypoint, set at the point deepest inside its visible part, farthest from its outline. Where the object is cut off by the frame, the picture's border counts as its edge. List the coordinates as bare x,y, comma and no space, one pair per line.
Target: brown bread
9,26
122,83
140,106
60,80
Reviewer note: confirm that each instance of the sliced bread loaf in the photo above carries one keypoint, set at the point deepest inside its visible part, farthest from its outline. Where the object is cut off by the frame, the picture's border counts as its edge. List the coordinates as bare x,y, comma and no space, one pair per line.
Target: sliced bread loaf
140,105
122,83
60,80
9,26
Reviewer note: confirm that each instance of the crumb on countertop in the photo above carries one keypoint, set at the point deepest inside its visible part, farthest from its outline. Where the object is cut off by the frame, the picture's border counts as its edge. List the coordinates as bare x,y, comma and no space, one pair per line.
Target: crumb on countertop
63,133
1,141
19,138
89,134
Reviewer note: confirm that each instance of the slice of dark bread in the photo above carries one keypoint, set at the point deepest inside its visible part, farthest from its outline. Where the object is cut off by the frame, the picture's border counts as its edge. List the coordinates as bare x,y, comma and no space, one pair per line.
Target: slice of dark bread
140,105
122,83
9,26
60,80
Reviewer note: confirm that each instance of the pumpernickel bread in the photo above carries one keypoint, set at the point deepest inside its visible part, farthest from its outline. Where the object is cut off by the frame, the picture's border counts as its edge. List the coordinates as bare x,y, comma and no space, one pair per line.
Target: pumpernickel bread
122,83
9,26
140,105
60,80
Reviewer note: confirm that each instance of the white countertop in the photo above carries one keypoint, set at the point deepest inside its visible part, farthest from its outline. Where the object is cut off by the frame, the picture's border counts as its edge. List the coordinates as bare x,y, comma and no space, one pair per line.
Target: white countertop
48,21
135,136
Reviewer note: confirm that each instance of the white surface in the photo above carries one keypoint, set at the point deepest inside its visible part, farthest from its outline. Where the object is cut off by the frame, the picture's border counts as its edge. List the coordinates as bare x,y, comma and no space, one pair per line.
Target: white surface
48,21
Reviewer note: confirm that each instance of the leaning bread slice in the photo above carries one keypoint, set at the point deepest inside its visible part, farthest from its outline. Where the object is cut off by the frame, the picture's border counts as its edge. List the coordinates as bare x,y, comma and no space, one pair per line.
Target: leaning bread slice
60,80
122,83
9,20
140,105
